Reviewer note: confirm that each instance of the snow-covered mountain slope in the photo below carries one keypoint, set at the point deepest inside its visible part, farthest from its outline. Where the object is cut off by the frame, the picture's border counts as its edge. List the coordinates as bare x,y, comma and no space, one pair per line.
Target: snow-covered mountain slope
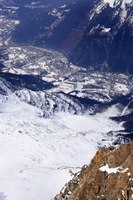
5,87
8,21
35,3
52,112
104,41
35,61
93,33
51,103
50,70
113,3
38,153
35,152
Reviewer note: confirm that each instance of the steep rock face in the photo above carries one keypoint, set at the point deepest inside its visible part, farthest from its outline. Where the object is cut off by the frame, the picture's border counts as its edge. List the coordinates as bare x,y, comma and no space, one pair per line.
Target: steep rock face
107,39
108,177
123,42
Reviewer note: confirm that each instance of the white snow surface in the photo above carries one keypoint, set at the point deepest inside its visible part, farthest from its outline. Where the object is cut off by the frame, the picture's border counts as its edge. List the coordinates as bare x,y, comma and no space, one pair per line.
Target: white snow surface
106,168
36,154
114,170
112,2
122,7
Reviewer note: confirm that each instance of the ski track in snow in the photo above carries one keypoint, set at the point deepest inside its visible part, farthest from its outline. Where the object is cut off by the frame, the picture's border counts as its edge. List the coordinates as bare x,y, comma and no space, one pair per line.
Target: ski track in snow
36,154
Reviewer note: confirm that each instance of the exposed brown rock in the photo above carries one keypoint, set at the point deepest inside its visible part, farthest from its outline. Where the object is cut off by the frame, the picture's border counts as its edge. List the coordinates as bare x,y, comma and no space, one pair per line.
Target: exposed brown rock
108,177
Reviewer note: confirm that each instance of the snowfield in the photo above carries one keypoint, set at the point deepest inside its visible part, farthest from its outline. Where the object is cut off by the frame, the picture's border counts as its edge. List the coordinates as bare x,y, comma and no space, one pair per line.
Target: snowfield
37,154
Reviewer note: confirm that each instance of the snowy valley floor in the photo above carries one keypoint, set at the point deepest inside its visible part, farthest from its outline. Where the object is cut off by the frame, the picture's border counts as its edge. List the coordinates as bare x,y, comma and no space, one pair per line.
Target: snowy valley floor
36,154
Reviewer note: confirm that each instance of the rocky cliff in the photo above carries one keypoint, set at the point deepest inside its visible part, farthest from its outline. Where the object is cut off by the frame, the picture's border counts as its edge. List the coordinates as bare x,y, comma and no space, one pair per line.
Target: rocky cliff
108,177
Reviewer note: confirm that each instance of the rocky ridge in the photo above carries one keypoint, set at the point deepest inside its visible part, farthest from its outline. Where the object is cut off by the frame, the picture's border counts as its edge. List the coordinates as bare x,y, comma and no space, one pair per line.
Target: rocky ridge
108,177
